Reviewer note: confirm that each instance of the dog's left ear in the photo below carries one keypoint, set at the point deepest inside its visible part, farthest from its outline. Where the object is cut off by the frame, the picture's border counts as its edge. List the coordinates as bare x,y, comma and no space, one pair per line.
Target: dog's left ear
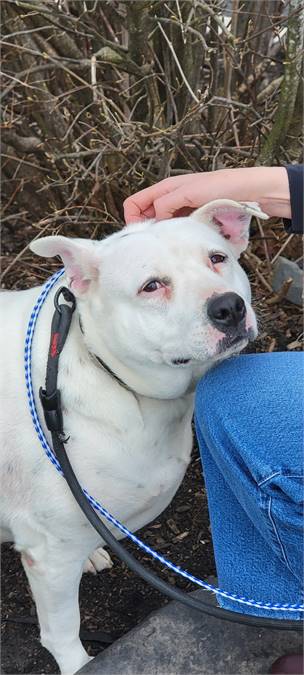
79,258
231,219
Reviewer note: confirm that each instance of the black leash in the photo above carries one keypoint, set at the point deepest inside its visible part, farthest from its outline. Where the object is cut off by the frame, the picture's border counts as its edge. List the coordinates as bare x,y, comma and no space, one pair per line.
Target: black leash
50,399
50,396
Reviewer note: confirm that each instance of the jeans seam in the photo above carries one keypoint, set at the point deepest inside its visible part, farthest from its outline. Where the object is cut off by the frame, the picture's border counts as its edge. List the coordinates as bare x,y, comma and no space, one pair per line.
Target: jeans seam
280,473
277,536
276,473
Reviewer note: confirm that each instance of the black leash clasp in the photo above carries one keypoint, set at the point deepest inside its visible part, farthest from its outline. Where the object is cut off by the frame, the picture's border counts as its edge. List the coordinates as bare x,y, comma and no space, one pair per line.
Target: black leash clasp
50,396
52,410
68,296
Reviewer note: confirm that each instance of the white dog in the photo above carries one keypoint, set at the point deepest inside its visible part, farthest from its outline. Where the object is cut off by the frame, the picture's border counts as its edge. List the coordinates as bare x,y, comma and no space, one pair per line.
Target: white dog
159,303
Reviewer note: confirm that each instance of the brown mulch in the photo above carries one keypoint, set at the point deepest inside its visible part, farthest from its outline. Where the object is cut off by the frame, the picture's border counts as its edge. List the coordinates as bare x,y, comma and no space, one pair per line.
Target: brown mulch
116,600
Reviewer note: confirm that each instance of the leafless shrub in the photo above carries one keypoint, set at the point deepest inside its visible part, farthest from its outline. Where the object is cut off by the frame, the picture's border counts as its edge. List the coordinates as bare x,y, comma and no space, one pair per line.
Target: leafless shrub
101,98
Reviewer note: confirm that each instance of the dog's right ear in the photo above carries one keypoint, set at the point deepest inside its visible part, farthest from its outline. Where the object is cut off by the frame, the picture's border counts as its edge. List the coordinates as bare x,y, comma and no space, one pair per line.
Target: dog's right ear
79,258
231,219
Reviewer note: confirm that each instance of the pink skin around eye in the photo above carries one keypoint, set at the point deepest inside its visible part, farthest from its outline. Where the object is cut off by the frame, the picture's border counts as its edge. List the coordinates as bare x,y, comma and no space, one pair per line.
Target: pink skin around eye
163,292
214,268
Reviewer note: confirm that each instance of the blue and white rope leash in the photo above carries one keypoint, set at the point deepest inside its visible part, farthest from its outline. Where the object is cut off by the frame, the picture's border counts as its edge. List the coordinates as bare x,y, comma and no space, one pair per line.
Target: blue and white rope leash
97,506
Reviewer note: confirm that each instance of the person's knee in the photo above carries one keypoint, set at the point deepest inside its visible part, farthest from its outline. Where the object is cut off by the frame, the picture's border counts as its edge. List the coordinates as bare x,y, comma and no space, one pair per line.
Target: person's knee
206,393
252,384
222,387
249,408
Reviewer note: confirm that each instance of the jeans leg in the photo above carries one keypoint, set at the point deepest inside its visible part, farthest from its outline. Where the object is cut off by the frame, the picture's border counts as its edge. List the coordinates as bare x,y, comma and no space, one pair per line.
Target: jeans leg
249,428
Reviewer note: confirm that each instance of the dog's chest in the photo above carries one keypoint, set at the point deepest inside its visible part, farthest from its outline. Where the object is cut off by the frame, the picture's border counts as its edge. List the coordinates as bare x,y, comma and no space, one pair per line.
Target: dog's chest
135,462
157,455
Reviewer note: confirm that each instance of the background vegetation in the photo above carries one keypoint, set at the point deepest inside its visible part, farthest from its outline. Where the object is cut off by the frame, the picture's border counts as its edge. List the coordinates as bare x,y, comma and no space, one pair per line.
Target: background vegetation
103,97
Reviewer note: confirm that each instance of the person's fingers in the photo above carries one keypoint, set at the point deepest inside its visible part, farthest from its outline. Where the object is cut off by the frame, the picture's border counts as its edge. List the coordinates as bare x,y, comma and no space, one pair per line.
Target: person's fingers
172,204
135,206
149,213
140,205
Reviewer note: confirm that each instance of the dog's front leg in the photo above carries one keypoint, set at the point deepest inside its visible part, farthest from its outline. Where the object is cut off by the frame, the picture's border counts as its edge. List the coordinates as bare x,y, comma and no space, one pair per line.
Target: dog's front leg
54,574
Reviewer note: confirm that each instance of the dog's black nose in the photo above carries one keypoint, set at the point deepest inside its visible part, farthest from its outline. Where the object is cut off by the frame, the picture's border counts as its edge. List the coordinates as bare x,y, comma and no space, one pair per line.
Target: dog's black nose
226,312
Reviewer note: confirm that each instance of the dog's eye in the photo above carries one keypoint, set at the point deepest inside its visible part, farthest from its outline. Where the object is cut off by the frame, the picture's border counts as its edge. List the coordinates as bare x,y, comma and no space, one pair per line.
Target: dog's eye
217,258
152,286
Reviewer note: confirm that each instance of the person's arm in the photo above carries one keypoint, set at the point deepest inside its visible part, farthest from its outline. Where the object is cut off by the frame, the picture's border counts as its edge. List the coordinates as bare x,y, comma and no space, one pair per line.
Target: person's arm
269,186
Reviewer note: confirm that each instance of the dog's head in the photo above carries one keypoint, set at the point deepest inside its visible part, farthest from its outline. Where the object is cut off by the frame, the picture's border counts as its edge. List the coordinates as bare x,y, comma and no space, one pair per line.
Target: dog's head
161,302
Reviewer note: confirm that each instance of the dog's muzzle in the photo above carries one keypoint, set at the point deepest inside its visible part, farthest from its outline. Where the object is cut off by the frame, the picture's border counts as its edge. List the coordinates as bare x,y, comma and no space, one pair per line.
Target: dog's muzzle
227,314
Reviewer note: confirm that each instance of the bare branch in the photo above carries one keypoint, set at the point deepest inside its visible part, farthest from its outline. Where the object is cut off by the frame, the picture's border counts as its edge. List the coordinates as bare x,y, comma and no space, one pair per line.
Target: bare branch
292,75
25,144
170,45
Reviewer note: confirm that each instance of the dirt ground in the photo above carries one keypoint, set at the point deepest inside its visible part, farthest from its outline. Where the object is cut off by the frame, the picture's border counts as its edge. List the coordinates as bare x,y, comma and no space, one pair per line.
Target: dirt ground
116,600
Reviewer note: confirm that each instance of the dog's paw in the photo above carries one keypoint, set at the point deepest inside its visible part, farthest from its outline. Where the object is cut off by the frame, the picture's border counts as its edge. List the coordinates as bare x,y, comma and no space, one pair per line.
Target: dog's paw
98,560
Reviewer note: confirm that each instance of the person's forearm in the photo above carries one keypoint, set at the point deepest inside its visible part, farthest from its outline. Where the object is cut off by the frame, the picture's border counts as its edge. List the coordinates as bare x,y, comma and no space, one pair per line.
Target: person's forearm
273,191
266,185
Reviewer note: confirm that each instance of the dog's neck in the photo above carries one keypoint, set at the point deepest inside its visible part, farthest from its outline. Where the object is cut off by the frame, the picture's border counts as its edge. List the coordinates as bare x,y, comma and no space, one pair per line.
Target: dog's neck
100,363
157,381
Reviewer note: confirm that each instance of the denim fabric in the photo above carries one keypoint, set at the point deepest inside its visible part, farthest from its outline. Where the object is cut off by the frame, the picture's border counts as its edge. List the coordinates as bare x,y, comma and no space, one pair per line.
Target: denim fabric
249,423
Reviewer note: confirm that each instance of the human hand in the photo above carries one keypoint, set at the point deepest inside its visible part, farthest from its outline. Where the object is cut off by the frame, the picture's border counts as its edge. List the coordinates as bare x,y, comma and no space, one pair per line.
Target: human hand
179,195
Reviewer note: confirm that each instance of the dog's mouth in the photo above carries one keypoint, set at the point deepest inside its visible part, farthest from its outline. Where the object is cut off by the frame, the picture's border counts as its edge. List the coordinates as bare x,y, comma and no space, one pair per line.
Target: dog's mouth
227,343
180,362
230,341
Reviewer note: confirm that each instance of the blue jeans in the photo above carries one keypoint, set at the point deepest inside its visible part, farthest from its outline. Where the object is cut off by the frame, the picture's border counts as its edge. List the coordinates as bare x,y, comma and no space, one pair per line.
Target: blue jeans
248,415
